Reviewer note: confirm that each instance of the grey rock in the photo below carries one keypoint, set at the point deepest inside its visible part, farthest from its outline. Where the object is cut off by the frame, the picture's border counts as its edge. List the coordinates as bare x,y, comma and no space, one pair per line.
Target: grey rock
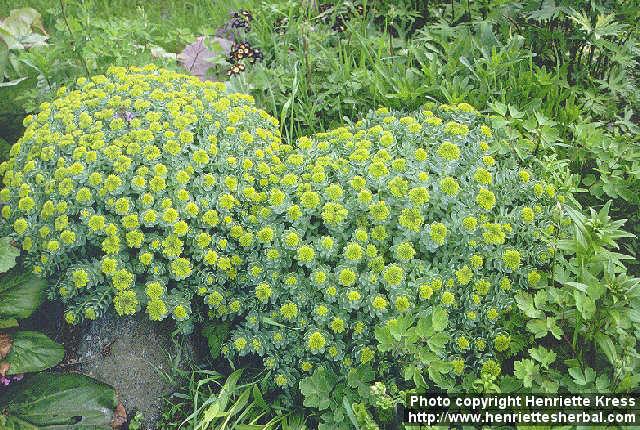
130,353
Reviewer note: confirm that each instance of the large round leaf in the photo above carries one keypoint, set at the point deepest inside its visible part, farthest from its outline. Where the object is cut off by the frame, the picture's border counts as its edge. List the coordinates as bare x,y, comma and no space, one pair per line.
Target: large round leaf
8,254
20,295
52,401
32,352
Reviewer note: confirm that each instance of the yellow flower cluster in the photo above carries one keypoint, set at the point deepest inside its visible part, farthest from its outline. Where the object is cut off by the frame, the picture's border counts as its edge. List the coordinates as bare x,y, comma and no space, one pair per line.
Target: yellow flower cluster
146,188
121,181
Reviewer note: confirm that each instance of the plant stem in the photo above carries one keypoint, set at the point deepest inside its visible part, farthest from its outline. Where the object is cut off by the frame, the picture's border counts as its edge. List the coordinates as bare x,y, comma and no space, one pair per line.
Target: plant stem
73,38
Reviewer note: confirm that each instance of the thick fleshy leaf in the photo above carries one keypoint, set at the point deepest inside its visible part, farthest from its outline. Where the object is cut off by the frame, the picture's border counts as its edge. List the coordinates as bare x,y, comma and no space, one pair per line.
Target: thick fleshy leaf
20,295
32,351
8,254
48,401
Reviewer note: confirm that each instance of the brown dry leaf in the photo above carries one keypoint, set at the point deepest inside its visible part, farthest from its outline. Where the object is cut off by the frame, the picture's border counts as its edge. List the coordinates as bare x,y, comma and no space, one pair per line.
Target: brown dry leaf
5,345
4,367
119,417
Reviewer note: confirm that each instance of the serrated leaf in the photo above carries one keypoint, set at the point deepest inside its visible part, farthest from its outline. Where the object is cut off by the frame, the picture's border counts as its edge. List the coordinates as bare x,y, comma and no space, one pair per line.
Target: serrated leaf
524,301
424,327
525,370
360,379
554,328
577,375
543,356
540,299
585,305
538,327
383,336
437,342
317,389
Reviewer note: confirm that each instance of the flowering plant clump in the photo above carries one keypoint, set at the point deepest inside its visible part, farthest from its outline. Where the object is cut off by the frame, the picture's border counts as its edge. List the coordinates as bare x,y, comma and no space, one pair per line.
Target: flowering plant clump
370,225
146,189
125,189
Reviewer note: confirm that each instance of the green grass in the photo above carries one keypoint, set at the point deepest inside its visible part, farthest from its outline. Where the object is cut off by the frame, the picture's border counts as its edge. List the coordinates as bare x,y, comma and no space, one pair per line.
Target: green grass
161,15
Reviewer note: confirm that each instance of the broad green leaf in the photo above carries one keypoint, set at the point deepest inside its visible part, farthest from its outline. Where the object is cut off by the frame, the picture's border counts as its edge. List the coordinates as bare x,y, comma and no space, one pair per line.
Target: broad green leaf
525,370
583,378
602,383
547,11
424,327
18,29
549,386
436,370
538,327
526,305
585,305
48,401
349,410
554,328
8,254
578,376
383,336
20,295
33,352
361,379
399,329
317,389
543,356
540,299
216,334
607,346
440,319
437,342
